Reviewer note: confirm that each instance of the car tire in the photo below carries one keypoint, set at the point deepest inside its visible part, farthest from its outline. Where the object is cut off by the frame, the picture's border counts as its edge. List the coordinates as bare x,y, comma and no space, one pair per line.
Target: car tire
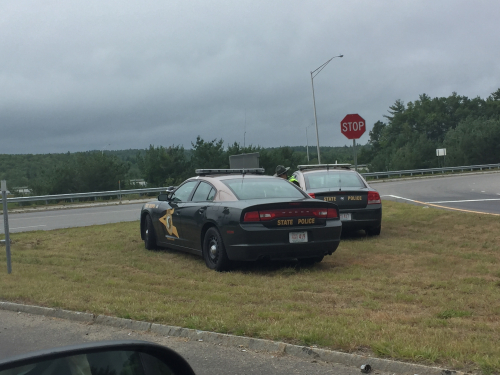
373,231
149,234
214,252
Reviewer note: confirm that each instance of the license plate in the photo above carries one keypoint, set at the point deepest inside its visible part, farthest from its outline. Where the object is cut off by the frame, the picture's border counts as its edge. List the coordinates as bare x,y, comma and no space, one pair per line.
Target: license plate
296,237
345,217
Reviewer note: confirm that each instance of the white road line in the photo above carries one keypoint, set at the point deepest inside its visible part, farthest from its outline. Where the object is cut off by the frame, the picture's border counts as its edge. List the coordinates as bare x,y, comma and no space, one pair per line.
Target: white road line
395,196
449,208
468,200
462,201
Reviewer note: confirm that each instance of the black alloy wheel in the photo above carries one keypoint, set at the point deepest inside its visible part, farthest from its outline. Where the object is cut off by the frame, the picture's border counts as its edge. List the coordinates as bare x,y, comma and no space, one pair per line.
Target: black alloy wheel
214,251
149,234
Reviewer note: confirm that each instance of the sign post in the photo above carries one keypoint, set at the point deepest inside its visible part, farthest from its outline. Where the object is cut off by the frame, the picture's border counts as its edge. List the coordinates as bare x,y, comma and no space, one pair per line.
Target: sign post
6,223
353,127
441,152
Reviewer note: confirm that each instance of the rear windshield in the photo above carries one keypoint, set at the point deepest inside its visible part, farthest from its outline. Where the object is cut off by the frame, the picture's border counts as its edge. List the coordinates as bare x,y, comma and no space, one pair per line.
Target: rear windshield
335,180
262,188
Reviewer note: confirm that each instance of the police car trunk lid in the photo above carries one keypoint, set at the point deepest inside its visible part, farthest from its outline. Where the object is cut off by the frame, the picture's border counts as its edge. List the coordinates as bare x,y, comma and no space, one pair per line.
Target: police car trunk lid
297,213
344,199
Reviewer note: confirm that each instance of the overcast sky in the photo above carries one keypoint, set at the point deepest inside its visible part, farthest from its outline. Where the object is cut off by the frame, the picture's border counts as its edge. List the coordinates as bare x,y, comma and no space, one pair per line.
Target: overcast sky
114,75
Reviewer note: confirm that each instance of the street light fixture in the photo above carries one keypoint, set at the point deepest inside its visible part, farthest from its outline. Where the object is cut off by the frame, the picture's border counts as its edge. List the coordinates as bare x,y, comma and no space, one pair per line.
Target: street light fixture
314,73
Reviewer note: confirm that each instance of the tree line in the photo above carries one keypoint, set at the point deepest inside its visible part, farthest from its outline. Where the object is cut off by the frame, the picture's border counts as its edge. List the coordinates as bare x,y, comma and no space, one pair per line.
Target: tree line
165,166
469,129
48,174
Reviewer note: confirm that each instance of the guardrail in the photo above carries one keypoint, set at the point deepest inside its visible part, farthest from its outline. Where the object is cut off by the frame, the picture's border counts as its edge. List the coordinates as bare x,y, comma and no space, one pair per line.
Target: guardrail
412,172
95,195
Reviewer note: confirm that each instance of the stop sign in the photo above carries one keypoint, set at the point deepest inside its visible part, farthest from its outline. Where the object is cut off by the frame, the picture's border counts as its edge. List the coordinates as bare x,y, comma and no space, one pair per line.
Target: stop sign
353,126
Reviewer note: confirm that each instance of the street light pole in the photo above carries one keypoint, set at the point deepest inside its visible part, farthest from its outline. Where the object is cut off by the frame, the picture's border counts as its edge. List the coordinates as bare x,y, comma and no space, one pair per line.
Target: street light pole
307,142
314,73
307,145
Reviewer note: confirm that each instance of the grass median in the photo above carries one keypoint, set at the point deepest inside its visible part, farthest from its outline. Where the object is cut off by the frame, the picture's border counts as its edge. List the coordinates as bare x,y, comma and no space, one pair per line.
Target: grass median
426,291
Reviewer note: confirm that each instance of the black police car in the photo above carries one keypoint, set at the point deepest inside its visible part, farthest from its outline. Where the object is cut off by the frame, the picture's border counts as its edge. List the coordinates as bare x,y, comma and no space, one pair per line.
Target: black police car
230,215
359,204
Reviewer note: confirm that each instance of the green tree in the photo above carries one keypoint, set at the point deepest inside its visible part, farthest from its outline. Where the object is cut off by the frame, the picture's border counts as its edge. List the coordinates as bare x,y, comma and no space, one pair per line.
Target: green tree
162,166
208,154
396,109
412,133
80,173
474,141
98,171
495,95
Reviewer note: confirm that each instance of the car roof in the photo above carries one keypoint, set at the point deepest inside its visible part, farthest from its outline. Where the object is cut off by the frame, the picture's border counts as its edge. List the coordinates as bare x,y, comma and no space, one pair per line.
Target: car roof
327,170
231,176
224,171
224,193
323,167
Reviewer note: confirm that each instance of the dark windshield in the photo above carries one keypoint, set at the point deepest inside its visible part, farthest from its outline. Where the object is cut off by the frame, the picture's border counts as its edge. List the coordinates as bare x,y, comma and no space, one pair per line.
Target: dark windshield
333,180
262,188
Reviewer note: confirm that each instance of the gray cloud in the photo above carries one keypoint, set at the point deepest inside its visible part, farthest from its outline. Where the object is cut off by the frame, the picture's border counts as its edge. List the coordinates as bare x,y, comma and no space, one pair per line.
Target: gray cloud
123,74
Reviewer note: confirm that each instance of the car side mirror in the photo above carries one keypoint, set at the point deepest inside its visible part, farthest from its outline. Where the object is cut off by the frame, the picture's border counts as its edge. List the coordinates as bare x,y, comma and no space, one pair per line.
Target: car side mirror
165,197
111,357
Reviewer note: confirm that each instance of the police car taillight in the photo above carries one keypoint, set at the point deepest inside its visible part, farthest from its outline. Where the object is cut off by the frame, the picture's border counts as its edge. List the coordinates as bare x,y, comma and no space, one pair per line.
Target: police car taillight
259,216
267,215
332,213
321,213
312,195
373,197
251,216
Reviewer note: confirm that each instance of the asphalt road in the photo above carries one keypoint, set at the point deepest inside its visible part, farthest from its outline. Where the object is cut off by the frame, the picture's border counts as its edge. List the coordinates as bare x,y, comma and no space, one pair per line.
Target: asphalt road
76,217
21,333
474,192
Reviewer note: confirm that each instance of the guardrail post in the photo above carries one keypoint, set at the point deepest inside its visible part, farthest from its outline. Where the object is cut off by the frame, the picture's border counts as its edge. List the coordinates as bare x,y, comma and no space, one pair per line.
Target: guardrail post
6,224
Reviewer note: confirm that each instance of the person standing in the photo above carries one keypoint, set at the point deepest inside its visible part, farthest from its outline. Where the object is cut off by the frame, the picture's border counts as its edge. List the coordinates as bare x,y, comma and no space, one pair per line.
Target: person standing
294,181
281,171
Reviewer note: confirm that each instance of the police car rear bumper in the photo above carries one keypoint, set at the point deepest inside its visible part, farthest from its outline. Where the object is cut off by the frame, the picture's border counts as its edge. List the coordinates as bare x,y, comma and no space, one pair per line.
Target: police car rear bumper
254,242
363,218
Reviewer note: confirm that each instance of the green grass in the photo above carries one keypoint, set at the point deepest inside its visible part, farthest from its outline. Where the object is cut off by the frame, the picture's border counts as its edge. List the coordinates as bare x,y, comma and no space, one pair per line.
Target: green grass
426,291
